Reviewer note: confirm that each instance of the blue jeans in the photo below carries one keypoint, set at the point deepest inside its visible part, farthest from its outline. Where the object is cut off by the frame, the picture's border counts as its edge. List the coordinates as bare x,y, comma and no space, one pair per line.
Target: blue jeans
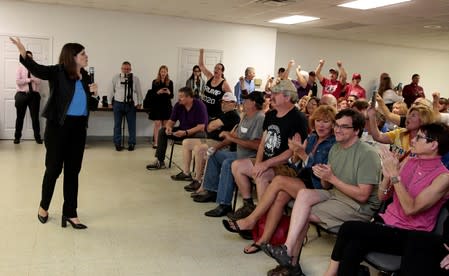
219,168
129,110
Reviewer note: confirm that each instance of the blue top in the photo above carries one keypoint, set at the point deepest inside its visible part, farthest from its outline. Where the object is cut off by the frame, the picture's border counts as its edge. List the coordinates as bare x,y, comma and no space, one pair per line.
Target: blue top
78,105
249,84
320,156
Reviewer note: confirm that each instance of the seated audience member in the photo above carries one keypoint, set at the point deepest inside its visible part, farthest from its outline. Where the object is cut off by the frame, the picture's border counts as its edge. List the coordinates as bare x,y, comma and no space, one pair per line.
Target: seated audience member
267,102
218,180
426,253
354,173
400,138
351,100
224,122
335,84
360,106
245,85
419,189
439,116
443,105
302,103
342,103
354,87
329,100
399,108
279,125
413,91
313,151
216,86
311,105
192,116
388,94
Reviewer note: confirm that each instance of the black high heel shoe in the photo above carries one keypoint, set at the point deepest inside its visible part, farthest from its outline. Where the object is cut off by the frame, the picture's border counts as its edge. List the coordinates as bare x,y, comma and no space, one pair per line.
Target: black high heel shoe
42,219
74,225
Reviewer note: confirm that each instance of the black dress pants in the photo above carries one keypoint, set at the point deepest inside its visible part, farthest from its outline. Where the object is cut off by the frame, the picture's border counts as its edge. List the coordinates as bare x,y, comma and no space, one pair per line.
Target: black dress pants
65,149
162,141
356,239
32,101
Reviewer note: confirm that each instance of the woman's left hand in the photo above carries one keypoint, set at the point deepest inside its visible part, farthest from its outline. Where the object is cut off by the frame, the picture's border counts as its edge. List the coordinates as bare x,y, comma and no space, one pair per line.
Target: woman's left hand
93,88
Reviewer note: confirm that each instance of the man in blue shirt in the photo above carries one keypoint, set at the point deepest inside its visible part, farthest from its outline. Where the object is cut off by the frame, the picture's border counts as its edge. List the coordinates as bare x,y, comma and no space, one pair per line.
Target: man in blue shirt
245,85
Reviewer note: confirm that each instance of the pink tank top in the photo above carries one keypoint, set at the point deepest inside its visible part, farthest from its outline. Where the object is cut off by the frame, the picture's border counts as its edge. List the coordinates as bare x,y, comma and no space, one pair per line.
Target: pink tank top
416,175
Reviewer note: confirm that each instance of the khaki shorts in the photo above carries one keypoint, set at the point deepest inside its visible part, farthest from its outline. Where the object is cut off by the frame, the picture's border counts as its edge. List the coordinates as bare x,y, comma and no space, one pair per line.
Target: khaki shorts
333,212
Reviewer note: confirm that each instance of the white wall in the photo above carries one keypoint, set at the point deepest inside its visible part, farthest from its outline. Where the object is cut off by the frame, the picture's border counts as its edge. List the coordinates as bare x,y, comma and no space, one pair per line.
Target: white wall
147,41
368,59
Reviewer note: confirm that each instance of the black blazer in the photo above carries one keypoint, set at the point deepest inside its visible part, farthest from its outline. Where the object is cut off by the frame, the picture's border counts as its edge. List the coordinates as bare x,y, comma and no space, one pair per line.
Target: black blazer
62,89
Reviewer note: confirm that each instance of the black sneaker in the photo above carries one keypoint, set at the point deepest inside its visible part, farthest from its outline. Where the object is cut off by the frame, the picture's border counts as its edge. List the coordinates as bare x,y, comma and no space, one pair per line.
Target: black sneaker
156,165
220,211
242,212
39,140
131,147
192,187
118,148
16,141
182,177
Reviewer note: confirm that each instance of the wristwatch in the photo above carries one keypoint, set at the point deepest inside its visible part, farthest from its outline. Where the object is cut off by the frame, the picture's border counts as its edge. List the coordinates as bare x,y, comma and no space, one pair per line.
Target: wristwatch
395,179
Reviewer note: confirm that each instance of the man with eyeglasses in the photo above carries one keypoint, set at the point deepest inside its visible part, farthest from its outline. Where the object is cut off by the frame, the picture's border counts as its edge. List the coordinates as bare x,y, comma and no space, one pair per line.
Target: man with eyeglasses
353,172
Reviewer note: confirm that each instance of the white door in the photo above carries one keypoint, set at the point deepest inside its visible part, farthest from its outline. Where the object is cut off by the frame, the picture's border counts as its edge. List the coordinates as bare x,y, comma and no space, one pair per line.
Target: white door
188,57
9,61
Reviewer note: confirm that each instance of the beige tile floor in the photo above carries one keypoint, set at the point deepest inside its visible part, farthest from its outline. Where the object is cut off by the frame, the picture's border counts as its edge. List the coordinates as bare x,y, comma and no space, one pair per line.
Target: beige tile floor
140,222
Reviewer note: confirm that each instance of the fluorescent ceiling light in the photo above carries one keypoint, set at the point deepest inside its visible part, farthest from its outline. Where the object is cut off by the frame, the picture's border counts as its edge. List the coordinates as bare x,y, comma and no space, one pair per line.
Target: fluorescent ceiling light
294,19
370,4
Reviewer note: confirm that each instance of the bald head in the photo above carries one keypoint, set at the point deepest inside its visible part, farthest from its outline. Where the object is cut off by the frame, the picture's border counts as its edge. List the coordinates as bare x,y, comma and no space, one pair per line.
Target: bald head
328,99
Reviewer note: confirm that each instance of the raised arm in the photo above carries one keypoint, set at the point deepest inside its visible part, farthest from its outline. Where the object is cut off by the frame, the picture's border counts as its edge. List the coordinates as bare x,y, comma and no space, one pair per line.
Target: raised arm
435,104
302,81
374,130
286,73
202,66
343,74
394,118
318,70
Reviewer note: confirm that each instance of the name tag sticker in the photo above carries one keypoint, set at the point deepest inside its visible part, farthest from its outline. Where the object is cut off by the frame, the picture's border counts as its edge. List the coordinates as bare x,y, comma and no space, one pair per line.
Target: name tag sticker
244,129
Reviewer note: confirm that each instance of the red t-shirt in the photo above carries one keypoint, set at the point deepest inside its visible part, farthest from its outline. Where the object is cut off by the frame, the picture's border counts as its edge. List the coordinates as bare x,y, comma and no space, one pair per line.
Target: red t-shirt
355,90
332,87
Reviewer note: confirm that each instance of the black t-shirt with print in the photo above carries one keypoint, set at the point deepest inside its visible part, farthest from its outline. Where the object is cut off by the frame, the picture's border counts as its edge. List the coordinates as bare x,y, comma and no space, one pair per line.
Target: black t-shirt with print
279,130
230,119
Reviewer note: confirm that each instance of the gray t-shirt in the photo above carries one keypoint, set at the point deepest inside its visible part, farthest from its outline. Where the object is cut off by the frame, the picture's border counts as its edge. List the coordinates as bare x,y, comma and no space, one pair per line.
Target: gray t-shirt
250,129
359,164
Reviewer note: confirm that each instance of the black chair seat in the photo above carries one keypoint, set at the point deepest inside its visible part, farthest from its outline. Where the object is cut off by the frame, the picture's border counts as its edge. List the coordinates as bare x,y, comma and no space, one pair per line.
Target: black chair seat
384,262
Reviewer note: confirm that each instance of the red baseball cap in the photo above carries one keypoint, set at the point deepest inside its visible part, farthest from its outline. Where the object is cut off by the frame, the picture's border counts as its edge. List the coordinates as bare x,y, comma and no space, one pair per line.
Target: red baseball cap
356,76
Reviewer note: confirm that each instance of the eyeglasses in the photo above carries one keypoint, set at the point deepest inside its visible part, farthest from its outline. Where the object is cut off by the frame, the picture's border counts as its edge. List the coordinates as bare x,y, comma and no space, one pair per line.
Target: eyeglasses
428,139
337,126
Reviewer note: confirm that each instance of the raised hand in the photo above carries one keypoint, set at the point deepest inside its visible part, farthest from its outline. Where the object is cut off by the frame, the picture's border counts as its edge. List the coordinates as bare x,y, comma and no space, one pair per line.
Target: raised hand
339,64
322,61
19,46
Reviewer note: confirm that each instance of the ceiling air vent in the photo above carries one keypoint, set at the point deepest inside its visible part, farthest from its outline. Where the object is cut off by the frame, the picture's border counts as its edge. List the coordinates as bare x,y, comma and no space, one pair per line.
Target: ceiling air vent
275,3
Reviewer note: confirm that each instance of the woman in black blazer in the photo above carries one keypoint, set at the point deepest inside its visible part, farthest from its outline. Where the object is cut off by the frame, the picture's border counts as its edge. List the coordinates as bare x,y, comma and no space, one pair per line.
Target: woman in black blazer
67,112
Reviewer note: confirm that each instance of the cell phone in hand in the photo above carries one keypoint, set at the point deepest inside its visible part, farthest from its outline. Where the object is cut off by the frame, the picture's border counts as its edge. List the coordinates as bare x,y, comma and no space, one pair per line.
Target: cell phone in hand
373,99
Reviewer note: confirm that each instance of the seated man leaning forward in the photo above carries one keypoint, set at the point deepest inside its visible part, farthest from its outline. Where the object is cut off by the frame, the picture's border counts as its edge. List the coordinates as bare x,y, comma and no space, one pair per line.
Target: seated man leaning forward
354,171
226,121
218,179
192,116
280,124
